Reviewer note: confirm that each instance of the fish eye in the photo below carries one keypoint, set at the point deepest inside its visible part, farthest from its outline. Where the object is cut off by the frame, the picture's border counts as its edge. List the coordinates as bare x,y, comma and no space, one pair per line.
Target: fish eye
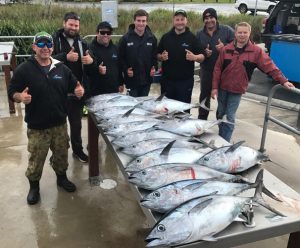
138,160
144,173
206,159
133,146
161,228
157,194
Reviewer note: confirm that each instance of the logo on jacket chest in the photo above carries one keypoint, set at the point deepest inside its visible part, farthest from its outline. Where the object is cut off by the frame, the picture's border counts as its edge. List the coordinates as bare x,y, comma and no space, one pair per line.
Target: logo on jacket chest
57,77
130,44
114,56
185,45
149,43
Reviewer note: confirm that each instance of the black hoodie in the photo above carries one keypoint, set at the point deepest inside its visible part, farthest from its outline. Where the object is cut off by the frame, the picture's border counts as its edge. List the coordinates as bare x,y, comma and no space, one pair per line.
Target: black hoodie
138,52
48,91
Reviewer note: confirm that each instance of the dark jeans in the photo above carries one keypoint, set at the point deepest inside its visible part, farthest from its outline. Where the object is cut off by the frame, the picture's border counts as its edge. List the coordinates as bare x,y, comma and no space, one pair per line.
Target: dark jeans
142,90
205,88
228,104
179,90
74,111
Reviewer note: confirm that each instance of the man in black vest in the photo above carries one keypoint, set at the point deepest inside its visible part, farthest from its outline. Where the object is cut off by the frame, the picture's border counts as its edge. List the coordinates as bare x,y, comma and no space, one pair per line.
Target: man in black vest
72,50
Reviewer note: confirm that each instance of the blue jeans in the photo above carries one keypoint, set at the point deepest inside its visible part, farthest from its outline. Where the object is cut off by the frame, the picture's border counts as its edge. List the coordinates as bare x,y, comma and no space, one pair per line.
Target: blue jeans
228,104
142,90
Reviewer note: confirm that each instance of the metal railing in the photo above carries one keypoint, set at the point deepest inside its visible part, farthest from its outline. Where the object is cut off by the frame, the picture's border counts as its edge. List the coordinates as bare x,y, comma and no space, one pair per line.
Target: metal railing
273,119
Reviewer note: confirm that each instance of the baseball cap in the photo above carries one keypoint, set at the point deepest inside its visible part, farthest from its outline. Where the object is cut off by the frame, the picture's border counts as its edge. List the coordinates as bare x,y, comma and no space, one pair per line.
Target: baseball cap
42,36
180,12
103,25
210,12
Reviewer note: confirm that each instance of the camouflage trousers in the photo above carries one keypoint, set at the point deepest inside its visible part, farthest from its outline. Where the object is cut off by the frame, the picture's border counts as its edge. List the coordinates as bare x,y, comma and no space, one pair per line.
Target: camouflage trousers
39,142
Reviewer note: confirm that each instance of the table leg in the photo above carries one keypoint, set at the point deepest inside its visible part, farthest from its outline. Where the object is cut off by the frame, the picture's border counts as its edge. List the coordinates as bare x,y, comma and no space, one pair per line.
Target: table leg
93,138
6,69
294,240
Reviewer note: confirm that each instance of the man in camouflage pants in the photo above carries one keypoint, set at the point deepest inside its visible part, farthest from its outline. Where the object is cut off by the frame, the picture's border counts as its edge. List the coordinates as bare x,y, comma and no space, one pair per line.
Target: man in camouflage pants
42,84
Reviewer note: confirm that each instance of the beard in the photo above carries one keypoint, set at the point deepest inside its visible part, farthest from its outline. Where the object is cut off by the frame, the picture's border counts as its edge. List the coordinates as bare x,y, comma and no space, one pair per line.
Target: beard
70,33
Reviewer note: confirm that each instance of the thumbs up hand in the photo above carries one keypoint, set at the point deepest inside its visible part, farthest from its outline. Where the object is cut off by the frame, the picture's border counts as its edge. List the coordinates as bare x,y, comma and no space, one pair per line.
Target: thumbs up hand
189,55
164,55
152,71
79,90
102,69
208,51
72,56
25,96
220,45
87,59
130,72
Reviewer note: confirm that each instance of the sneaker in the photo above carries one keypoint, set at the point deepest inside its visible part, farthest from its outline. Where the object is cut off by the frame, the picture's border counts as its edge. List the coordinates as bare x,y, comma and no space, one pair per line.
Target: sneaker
81,156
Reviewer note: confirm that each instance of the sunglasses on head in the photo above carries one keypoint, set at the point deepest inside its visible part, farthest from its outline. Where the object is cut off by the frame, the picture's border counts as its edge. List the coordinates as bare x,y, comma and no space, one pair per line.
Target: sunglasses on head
105,32
43,44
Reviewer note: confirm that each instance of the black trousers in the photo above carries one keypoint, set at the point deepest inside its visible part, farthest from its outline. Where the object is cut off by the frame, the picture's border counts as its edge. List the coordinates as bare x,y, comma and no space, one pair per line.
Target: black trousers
74,111
205,88
179,90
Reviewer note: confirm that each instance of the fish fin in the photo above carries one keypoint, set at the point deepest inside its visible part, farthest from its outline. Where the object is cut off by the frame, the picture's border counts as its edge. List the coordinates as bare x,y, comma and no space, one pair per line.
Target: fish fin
259,199
158,99
128,113
209,238
211,143
269,193
199,207
114,99
233,147
166,150
194,186
184,118
202,105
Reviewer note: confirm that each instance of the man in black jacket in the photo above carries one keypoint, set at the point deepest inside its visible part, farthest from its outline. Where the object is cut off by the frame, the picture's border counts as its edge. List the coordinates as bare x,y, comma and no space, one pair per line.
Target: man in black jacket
72,50
138,55
178,50
105,75
43,84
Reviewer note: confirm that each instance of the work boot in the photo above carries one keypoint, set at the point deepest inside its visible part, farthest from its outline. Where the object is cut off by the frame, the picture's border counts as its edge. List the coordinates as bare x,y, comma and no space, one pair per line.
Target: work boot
34,192
63,181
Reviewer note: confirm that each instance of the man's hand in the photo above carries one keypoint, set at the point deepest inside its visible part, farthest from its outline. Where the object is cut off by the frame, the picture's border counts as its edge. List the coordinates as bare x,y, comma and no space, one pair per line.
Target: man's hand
23,97
152,71
121,88
130,72
214,93
288,85
102,69
79,90
189,55
220,45
87,59
208,51
164,56
72,56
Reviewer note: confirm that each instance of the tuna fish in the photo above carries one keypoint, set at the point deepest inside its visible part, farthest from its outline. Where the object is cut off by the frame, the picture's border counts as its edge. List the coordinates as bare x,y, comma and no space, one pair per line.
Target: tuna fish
162,156
157,176
145,146
172,195
201,219
232,159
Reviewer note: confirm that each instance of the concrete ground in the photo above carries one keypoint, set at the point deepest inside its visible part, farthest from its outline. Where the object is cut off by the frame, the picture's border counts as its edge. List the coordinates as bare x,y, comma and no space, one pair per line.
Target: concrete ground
98,217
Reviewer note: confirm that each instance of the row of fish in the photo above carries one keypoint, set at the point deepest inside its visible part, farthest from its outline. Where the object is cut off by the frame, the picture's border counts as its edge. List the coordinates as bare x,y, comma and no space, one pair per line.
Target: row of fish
186,175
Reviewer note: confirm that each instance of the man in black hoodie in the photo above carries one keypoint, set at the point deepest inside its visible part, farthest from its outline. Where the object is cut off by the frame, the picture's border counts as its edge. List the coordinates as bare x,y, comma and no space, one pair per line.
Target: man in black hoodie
105,76
72,51
137,51
42,84
178,50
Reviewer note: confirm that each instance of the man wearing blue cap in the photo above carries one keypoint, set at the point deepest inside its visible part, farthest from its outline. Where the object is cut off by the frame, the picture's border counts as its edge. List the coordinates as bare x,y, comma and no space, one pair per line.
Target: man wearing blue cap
42,84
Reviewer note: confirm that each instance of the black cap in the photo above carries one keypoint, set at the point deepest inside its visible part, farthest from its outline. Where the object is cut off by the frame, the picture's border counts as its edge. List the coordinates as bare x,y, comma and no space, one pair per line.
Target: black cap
180,12
210,12
103,25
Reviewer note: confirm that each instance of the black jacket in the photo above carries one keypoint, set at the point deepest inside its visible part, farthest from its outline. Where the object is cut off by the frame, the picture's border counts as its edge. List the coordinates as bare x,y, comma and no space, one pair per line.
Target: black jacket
110,82
140,54
177,68
62,48
48,91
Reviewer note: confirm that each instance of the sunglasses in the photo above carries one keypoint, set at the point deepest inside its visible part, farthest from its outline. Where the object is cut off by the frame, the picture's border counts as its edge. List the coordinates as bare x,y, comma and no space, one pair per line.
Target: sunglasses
105,32
43,44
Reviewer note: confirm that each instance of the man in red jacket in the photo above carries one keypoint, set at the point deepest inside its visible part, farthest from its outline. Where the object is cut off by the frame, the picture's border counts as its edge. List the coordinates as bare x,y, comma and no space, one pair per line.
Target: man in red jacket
232,72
